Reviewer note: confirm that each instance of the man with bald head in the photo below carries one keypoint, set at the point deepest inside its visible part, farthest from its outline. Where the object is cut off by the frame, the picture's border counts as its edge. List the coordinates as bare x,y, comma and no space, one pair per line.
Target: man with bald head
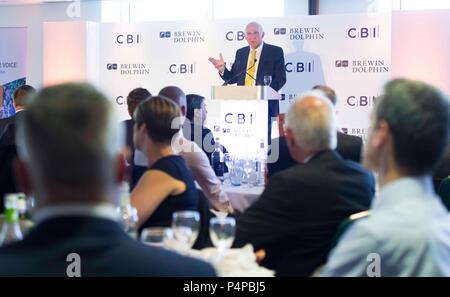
176,95
74,175
253,62
301,208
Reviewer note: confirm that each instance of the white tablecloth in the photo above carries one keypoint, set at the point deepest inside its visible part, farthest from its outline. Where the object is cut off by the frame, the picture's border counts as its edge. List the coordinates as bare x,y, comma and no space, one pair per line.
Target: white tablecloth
235,263
242,197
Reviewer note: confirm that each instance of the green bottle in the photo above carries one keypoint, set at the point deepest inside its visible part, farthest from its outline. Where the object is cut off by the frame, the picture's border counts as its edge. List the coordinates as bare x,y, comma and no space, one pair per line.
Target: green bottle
11,231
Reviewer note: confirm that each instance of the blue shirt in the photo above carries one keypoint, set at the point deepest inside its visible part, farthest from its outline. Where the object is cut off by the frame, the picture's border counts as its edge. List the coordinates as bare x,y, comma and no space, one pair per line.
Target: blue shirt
408,231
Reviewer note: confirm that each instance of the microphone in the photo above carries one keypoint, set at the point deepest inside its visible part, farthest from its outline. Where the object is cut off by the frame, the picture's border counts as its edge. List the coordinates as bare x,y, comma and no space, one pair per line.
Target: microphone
242,72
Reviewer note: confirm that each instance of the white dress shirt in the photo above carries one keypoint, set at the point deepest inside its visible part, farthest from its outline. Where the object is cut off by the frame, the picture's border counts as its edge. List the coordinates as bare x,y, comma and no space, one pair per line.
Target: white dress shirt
408,228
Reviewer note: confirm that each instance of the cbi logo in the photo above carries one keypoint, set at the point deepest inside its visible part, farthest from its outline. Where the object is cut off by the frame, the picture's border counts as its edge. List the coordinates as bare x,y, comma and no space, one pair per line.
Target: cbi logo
279,31
182,68
120,100
164,34
111,66
129,38
235,36
299,66
361,101
364,32
340,63
240,118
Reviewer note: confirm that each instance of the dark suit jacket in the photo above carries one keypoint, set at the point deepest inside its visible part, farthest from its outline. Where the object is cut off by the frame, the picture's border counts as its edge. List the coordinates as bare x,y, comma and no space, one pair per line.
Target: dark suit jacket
5,122
298,213
271,63
8,153
8,133
129,137
134,172
104,249
348,146
442,169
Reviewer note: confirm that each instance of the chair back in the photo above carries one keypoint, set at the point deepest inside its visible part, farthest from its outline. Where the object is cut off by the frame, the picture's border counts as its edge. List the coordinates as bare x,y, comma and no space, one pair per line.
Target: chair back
345,225
444,192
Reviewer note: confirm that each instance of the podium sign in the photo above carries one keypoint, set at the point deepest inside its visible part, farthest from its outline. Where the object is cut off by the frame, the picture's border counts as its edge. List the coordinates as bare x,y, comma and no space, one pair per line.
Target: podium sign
239,116
240,124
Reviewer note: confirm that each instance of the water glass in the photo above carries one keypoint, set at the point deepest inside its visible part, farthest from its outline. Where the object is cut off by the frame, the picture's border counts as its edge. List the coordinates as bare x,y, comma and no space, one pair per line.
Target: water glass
156,236
237,174
267,80
129,218
222,231
185,227
228,159
250,172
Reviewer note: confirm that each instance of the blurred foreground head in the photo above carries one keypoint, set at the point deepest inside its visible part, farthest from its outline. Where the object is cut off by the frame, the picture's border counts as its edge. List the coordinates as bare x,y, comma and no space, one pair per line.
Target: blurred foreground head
409,130
69,144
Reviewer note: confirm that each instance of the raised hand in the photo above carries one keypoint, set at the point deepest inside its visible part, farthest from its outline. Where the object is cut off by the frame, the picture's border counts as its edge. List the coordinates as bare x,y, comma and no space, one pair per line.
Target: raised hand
219,64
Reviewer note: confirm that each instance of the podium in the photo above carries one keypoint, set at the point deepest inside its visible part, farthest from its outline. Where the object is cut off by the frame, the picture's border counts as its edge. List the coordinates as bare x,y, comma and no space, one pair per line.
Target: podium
239,116
244,93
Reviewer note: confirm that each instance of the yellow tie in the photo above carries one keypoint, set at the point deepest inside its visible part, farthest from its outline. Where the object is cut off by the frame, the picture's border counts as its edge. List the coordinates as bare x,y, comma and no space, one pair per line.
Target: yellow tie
251,72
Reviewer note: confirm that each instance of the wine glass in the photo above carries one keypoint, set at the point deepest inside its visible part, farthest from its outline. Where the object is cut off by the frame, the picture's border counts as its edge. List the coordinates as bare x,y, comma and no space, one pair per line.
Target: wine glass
222,231
185,227
129,218
154,236
267,80
228,159
249,168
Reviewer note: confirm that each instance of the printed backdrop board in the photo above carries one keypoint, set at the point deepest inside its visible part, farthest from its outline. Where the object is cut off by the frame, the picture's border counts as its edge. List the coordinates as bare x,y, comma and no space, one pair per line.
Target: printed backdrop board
13,66
350,53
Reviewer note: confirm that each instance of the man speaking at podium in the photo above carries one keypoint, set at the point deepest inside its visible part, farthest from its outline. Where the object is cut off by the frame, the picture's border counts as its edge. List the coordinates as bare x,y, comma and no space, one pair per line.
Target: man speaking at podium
252,63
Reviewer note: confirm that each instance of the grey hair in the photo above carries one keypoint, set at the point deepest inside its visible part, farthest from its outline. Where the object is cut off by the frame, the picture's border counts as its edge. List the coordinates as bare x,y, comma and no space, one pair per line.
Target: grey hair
260,27
70,135
314,128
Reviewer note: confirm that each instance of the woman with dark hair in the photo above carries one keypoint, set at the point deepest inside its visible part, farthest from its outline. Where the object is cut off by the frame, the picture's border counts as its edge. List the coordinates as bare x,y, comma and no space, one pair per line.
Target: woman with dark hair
168,185
194,127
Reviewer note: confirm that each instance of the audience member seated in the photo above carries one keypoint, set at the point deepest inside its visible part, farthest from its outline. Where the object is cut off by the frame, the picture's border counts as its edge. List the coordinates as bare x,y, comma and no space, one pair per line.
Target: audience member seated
197,160
137,164
194,129
348,146
70,144
408,230
442,169
297,215
8,150
167,186
7,125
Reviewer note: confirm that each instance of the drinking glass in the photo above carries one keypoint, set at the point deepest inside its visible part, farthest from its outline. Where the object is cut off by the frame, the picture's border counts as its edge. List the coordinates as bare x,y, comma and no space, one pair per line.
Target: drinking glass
267,80
185,227
155,236
222,231
250,172
228,159
237,174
